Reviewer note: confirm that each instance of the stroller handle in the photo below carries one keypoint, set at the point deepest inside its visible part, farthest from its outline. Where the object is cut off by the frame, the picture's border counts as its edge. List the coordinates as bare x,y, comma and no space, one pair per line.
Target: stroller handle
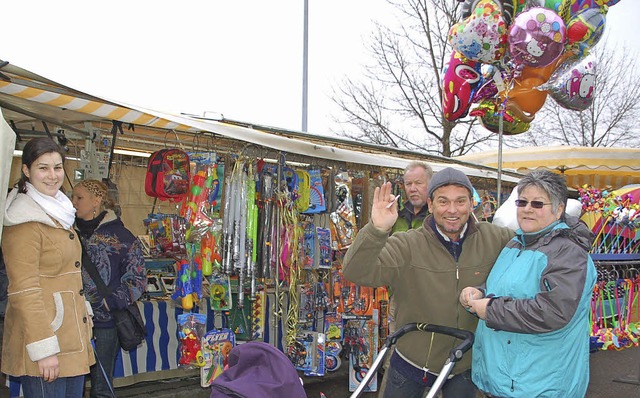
456,352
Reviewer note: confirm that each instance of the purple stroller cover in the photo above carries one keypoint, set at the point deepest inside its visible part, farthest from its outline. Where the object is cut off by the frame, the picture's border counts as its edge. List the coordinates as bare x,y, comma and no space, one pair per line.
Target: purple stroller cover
258,370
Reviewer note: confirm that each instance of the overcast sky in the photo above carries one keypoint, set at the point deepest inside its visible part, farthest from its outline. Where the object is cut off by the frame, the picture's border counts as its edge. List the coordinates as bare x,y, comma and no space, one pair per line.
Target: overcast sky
240,58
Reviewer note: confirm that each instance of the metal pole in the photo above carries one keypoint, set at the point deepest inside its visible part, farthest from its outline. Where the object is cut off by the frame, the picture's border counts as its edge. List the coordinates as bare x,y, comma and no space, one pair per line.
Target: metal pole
500,127
305,67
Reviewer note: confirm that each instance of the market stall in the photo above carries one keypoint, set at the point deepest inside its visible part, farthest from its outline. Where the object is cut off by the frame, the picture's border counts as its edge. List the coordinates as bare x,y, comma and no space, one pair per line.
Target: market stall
614,218
254,243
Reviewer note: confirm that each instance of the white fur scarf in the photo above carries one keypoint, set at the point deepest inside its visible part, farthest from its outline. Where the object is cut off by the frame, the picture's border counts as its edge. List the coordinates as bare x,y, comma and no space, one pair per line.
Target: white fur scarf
58,207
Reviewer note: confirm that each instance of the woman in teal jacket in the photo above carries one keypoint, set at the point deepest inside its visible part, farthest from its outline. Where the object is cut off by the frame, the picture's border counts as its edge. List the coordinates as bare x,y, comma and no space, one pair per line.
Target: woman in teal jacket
533,336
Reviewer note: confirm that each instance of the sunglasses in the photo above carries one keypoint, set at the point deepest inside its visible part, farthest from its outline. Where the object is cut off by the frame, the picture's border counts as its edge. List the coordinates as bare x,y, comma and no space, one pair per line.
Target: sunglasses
536,204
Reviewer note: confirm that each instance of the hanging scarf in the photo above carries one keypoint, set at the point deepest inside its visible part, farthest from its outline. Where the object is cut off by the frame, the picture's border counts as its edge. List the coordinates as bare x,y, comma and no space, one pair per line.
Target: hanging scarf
59,207
87,227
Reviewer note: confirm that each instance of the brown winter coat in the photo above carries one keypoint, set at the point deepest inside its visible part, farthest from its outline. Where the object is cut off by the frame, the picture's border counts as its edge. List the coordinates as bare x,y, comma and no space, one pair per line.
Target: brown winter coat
46,313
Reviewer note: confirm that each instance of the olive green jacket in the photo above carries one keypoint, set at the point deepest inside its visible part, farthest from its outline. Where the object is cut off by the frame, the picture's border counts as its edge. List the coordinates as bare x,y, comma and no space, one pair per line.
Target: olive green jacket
426,280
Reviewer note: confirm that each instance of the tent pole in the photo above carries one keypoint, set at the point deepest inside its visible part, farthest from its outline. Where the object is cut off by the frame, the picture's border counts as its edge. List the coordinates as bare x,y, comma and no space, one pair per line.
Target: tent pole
305,67
500,129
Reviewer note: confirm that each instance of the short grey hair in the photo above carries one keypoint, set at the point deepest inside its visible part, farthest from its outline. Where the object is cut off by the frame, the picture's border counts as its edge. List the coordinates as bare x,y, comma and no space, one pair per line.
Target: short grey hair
553,184
417,163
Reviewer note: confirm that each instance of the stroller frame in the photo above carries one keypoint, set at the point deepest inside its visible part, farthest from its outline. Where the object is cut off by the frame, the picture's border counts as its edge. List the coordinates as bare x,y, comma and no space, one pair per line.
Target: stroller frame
455,354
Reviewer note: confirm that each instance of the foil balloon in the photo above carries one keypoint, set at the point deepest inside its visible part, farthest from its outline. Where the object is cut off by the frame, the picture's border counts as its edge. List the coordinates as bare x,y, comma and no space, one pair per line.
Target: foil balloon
488,113
508,8
585,28
527,93
461,78
482,36
580,5
536,37
572,85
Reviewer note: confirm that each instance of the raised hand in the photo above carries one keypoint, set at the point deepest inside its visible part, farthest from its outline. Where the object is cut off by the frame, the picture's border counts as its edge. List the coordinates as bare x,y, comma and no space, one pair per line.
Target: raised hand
384,211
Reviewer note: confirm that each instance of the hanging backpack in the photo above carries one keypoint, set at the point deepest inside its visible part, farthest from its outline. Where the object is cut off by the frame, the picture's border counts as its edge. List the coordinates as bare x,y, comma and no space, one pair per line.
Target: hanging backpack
168,174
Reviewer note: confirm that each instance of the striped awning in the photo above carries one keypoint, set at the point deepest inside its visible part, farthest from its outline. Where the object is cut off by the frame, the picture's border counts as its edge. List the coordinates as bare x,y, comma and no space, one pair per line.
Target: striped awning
26,90
595,166
27,97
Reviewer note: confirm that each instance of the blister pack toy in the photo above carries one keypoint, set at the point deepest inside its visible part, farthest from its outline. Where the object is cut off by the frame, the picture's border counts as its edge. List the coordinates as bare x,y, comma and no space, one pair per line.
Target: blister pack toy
220,292
333,326
308,353
332,361
361,343
216,345
191,328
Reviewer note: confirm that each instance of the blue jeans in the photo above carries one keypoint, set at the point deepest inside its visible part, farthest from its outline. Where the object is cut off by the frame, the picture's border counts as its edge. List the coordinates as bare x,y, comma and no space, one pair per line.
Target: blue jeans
107,347
399,386
62,387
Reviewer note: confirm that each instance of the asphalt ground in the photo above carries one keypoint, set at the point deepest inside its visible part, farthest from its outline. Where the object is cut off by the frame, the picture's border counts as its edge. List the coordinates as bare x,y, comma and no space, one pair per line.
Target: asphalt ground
607,369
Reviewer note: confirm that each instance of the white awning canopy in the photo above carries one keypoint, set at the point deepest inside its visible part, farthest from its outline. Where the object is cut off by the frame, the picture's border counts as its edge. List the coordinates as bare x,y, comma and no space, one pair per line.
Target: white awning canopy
596,166
27,97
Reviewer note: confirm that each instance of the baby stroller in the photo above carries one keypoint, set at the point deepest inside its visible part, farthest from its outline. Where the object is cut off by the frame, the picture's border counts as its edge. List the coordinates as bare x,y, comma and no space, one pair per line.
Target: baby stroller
258,370
454,355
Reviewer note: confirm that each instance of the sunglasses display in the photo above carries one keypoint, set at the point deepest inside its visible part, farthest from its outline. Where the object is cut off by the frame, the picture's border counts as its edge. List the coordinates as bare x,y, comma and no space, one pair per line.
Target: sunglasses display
536,204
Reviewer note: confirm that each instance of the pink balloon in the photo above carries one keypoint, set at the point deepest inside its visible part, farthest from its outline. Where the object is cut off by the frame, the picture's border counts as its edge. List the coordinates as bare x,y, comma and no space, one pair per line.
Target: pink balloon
536,37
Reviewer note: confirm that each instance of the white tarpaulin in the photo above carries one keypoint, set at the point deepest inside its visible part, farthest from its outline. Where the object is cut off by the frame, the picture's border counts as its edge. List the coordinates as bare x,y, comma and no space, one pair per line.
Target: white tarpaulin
37,97
595,166
7,144
307,148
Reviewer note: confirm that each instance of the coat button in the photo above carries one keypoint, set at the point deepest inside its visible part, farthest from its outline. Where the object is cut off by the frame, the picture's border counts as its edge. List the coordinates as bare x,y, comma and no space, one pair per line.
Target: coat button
84,319
77,264
72,236
82,292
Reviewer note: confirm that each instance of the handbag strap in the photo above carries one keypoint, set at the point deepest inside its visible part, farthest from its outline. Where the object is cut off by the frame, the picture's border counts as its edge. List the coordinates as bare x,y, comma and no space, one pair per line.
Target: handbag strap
93,273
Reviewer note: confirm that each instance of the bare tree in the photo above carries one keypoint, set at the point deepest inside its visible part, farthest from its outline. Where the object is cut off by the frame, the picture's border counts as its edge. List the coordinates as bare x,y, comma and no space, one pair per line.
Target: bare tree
397,101
612,119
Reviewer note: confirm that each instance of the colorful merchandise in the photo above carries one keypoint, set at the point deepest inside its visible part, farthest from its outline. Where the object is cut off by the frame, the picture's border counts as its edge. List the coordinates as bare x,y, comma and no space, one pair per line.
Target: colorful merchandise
216,345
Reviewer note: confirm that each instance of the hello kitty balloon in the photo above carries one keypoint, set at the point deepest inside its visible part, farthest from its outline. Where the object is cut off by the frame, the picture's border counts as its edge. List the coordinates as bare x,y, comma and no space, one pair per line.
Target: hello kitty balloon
536,37
573,84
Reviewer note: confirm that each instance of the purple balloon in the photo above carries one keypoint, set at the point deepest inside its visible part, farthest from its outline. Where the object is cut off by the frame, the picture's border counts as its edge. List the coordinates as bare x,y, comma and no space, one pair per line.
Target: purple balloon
536,37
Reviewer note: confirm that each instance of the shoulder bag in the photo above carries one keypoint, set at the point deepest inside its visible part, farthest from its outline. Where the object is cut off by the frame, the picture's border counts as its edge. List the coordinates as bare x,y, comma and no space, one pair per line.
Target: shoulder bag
129,323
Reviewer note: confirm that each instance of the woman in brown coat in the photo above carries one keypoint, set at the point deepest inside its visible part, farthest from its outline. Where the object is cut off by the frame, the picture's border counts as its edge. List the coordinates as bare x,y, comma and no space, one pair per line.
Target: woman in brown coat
47,327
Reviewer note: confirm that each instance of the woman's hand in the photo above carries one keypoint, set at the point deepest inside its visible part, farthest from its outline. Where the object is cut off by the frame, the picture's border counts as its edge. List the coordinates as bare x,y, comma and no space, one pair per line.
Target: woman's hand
469,293
479,307
49,368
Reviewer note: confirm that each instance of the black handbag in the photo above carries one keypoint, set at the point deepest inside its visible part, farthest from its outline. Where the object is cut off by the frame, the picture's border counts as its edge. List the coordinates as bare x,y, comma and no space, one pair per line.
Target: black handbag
129,322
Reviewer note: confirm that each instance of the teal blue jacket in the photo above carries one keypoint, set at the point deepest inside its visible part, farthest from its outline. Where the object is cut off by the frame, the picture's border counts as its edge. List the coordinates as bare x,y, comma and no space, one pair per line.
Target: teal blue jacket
535,340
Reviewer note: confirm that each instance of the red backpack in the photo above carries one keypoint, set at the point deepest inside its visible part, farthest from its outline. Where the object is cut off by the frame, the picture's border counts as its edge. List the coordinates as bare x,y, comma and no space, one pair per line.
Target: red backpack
168,174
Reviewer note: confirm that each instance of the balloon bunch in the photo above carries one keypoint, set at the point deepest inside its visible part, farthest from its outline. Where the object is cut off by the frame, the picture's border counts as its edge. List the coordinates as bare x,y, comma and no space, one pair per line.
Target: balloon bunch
509,55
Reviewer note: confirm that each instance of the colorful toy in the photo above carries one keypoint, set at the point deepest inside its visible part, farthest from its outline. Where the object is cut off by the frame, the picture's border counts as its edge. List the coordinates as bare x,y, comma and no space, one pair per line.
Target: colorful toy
184,286
216,345
190,331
